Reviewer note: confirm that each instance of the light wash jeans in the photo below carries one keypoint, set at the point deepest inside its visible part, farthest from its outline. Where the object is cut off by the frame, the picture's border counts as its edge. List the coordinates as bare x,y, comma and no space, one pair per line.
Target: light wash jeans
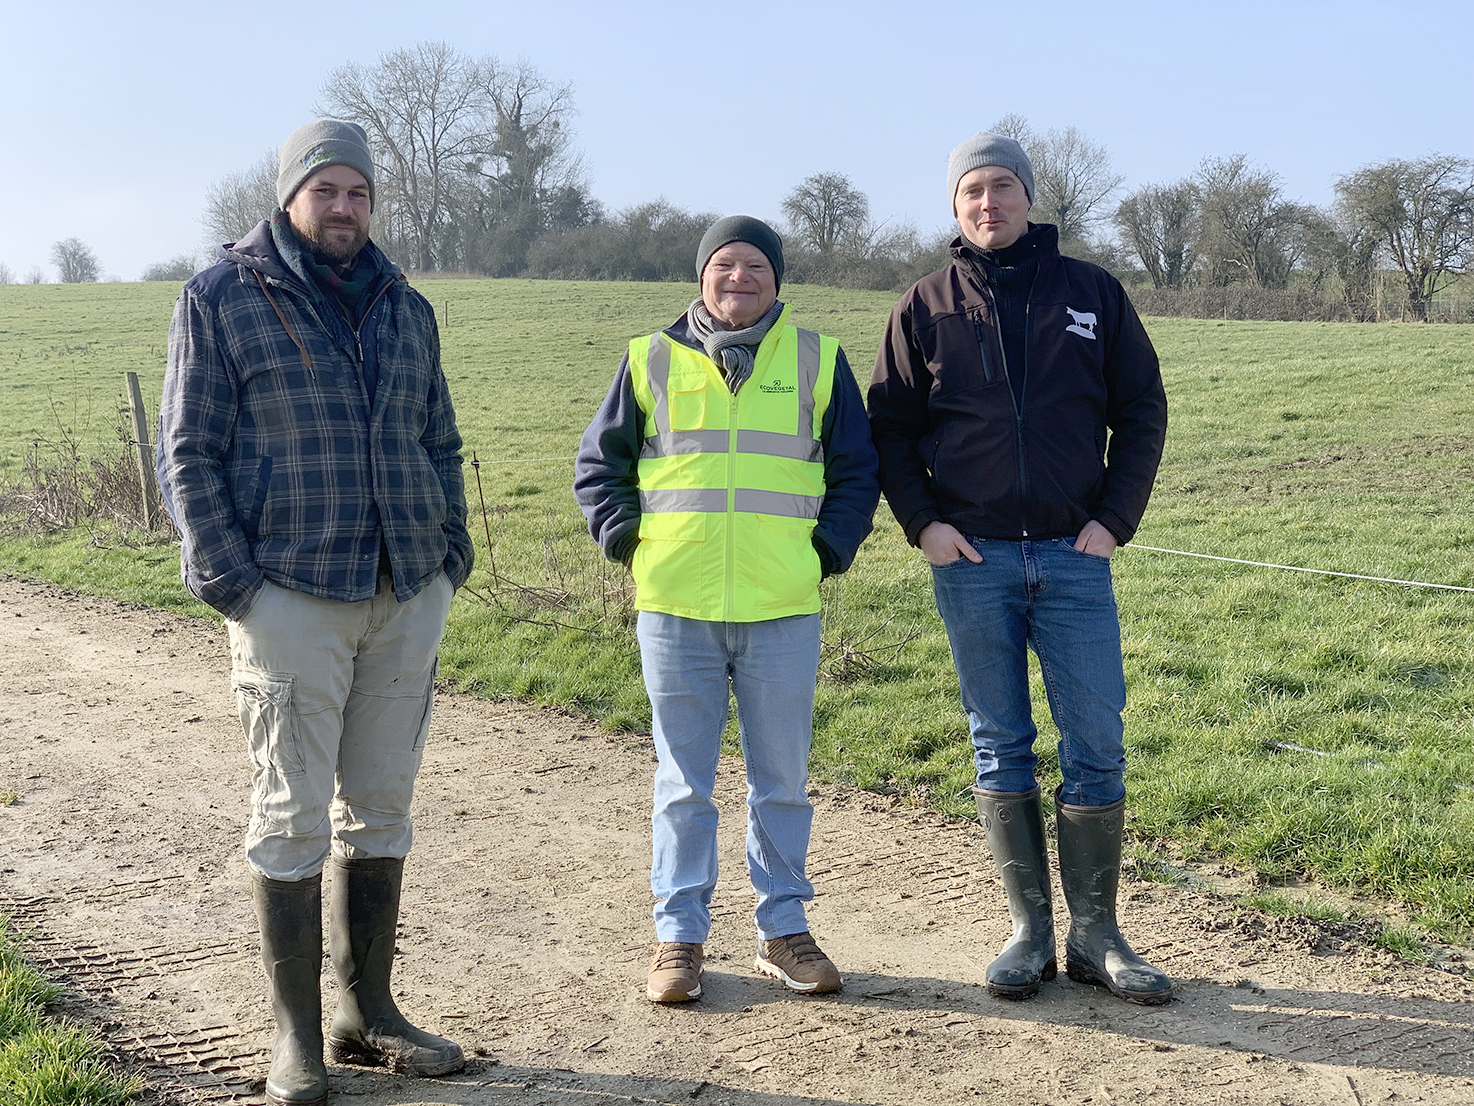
770,667
335,701
1047,595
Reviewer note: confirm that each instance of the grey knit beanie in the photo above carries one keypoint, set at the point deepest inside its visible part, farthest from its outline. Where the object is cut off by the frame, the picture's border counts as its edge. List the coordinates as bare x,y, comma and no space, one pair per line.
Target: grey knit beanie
982,149
316,145
742,228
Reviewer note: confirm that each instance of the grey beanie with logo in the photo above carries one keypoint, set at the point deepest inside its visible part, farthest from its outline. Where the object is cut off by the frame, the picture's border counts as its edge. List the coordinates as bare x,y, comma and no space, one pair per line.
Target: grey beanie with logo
316,145
742,228
982,149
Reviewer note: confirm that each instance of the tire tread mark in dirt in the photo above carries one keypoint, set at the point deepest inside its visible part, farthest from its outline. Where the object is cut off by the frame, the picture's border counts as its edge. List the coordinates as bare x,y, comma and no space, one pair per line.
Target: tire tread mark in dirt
209,1066
1422,1044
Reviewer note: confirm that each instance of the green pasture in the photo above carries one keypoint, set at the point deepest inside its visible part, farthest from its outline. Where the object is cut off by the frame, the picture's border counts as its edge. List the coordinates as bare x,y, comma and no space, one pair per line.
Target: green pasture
1301,726
47,1061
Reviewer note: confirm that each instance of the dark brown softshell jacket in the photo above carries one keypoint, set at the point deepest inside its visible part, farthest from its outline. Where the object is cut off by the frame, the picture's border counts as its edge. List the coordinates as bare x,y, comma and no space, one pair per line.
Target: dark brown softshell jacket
954,444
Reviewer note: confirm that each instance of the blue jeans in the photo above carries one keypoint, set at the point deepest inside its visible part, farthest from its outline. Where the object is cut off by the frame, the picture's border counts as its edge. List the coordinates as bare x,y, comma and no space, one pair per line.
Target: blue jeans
770,667
1046,595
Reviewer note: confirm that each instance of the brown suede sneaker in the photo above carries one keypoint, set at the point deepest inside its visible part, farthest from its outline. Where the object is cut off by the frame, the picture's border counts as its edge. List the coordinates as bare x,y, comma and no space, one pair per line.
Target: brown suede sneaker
675,972
798,961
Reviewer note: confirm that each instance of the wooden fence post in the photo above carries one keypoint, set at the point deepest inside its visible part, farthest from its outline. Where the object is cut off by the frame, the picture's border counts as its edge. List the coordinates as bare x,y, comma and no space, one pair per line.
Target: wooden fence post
148,484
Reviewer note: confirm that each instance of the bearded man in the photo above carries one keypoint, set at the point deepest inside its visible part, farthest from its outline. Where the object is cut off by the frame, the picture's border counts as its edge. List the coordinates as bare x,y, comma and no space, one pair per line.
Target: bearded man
309,456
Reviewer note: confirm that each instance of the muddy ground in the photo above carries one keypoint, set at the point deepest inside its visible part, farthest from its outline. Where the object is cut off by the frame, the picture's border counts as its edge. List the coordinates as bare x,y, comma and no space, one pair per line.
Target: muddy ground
525,931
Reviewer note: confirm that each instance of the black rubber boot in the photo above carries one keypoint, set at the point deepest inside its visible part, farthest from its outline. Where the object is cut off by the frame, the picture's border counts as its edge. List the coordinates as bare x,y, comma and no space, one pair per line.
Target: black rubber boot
290,916
1014,824
368,1028
1090,870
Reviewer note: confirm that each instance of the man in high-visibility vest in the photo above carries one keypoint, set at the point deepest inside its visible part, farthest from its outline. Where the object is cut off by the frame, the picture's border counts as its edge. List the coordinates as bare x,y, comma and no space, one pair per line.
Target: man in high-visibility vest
730,467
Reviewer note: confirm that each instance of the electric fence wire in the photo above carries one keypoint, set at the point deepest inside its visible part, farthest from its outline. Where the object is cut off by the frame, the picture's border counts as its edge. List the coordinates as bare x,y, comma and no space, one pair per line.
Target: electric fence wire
1133,545
1297,568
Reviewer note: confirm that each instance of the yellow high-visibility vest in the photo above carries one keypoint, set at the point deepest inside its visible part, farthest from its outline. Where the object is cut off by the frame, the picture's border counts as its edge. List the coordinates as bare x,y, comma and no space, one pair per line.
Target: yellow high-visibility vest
730,486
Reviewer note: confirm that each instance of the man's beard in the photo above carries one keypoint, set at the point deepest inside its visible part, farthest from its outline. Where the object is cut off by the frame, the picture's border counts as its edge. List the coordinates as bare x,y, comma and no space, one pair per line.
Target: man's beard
338,253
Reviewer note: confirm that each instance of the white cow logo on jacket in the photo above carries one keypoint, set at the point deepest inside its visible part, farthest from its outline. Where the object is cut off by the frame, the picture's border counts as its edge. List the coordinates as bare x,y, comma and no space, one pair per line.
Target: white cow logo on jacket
1084,324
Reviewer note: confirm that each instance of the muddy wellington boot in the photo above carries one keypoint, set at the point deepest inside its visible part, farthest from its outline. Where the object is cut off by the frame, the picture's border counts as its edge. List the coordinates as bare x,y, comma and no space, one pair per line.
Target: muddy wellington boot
368,1027
1090,870
290,916
1014,824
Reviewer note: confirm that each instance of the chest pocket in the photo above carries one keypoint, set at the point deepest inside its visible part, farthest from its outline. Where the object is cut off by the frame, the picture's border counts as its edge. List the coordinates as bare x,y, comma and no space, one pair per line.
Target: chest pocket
689,393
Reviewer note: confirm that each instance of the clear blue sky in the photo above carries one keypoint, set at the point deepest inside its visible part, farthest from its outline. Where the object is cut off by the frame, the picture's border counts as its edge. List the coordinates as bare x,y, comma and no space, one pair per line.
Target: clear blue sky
115,118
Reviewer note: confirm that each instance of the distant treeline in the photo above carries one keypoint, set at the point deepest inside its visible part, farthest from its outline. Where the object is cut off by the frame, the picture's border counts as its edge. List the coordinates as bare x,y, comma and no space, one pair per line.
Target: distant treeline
477,173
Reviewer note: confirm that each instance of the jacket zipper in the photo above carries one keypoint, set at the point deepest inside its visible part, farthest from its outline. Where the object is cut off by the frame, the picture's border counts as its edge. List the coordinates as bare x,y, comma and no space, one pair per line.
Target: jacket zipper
731,600
1016,400
357,331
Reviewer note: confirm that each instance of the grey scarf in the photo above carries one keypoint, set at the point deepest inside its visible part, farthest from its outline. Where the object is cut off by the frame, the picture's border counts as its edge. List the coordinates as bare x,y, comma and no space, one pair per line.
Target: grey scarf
732,350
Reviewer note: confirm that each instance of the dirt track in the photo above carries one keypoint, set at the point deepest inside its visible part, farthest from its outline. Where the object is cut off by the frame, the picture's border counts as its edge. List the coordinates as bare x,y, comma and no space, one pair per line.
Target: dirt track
526,924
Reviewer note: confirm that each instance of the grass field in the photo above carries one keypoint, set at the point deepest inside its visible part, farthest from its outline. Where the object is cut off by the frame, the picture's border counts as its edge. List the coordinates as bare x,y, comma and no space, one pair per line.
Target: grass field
1300,726
45,1061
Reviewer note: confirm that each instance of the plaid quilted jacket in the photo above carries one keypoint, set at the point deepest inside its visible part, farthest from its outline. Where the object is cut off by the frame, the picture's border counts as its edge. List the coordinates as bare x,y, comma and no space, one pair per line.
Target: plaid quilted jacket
271,459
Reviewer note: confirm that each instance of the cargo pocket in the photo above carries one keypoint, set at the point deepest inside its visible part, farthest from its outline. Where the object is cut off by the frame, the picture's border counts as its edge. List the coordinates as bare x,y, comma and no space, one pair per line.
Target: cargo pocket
422,733
269,718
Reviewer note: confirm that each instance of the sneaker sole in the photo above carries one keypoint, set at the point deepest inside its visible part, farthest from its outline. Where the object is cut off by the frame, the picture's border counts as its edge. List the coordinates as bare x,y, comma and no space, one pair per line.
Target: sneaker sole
673,995
768,968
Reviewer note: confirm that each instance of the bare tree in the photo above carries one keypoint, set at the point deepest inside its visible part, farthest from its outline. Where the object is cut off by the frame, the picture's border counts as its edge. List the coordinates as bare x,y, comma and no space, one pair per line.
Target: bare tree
238,201
532,179
826,210
36,275
7,274
1160,226
530,153
423,109
1015,126
1421,213
74,260
1072,176
176,268
1072,180
1250,232
1336,243
473,157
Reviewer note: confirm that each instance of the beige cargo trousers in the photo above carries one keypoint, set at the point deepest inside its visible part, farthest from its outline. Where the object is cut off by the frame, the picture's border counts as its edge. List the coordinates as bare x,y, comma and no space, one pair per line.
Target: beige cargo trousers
335,702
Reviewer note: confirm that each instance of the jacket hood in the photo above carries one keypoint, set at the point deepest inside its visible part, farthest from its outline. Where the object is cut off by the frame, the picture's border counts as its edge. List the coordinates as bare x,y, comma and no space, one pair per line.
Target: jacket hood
257,250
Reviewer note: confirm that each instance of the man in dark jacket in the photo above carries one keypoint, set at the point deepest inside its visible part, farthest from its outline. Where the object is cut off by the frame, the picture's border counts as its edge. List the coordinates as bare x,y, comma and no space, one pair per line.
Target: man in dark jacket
1018,411
731,468
309,456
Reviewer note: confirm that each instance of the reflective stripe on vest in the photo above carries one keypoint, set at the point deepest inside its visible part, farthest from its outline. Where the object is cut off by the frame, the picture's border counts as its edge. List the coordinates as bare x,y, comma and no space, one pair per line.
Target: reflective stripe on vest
801,446
714,501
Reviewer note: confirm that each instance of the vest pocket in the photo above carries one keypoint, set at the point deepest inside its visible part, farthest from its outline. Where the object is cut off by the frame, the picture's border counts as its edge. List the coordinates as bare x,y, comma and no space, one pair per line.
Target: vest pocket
687,392
777,566
670,563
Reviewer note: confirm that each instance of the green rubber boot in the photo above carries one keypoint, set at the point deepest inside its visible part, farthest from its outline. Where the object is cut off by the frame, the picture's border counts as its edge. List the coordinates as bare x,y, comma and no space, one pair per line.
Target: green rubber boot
290,917
368,1027
1090,870
1014,824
